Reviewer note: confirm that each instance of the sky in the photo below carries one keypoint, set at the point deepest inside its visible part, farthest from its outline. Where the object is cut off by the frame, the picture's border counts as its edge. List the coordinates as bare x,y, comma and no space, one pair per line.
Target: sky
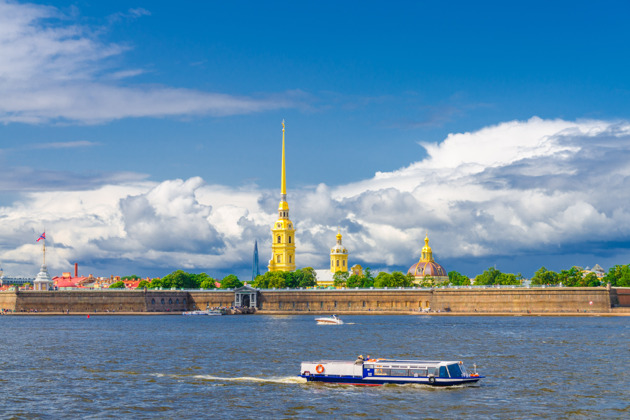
145,137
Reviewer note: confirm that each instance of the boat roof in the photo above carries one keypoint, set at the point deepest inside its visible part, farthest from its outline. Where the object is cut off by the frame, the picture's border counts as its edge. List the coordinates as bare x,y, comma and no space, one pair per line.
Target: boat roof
388,361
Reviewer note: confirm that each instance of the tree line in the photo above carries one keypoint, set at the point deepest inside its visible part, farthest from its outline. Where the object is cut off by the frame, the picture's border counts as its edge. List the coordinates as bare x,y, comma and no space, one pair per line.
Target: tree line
617,276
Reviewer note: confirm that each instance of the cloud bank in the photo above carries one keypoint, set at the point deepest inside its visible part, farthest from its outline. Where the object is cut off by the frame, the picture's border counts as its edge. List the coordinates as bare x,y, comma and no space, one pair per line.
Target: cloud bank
510,190
54,70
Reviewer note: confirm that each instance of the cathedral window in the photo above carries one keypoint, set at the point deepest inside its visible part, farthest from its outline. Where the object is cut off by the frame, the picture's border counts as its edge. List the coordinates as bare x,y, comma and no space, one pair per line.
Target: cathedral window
290,259
289,239
279,238
344,263
278,258
337,263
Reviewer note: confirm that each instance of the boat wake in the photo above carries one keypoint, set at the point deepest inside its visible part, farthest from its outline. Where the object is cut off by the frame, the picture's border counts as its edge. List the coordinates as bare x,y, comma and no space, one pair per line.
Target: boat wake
273,380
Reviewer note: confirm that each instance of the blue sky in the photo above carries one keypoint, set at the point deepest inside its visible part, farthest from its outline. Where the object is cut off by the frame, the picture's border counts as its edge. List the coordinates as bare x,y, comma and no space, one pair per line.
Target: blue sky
145,136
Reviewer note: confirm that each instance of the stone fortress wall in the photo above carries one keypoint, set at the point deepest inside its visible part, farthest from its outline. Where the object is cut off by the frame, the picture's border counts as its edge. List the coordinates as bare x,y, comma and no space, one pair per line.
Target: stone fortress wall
463,300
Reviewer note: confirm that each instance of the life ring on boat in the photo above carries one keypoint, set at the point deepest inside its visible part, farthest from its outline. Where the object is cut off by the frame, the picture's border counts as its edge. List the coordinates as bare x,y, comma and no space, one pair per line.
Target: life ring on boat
319,368
431,379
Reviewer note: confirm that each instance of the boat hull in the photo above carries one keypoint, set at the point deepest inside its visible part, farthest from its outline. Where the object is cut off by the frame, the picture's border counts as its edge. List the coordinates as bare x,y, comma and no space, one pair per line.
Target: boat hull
353,380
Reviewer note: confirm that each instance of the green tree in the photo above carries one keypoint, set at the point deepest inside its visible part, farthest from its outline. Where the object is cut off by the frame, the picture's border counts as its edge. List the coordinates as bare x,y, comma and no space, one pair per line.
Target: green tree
618,276
208,284
544,276
354,281
341,278
488,277
231,282
143,284
117,285
132,277
156,283
383,279
457,279
590,280
398,279
571,278
307,277
278,281
368,279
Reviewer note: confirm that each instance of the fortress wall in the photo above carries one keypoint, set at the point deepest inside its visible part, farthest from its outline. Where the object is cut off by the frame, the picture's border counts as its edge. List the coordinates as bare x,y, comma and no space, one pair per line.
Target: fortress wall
537,300
7,300
344,300
101,301
210,298
622,296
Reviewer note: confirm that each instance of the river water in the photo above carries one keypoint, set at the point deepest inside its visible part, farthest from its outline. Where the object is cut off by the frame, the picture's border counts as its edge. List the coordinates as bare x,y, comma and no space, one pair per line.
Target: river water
247,366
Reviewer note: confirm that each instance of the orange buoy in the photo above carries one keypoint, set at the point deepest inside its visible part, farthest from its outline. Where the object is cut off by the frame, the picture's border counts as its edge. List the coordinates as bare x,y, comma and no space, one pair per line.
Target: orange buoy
319,368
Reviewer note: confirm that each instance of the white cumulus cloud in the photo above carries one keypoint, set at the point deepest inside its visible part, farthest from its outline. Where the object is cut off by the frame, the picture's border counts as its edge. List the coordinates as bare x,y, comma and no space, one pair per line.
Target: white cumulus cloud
509,190
54,70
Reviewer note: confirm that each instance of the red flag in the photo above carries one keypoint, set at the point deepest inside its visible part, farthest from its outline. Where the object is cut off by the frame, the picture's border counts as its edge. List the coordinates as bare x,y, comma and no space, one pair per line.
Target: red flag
42,236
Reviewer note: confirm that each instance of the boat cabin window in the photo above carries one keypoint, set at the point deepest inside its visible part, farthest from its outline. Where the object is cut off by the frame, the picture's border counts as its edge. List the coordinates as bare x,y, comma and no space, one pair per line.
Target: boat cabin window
417,372
381,372
368,366
443,372
432,371
454,371
399,372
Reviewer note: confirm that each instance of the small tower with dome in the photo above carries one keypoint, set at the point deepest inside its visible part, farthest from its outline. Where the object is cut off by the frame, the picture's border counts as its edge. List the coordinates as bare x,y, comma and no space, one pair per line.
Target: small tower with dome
338,256
426,267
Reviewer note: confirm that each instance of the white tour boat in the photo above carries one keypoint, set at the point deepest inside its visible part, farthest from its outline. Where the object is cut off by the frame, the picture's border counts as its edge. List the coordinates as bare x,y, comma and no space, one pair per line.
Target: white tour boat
386,371
207,312
329,320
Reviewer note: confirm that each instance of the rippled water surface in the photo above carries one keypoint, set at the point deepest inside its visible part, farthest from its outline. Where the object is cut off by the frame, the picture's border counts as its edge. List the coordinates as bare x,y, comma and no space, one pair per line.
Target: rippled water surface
247,366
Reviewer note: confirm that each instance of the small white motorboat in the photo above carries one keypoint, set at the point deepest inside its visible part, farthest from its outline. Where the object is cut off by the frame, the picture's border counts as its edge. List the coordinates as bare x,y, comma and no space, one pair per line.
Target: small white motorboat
329,320
206,312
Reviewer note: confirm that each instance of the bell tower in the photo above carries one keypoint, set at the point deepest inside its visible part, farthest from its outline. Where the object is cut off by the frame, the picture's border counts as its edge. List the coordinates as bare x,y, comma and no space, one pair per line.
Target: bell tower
283,230
338,256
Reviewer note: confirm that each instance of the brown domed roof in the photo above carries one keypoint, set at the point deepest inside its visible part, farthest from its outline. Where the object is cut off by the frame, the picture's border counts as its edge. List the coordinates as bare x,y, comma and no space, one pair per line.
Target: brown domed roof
427,268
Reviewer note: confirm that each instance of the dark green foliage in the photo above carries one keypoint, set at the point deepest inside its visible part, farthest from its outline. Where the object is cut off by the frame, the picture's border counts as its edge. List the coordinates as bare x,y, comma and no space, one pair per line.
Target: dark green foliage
117,285
341,278
231,282
182,280
544,276
303,277
493,276
132,277
457,279
143,284
618,276
396,279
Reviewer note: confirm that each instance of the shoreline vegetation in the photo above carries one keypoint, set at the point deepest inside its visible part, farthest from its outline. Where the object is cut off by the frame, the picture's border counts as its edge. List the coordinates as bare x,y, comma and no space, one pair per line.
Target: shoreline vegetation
617,276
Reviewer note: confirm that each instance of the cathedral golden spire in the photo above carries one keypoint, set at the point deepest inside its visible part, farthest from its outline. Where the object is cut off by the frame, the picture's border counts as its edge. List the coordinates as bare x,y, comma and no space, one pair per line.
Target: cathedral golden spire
283,231
283,184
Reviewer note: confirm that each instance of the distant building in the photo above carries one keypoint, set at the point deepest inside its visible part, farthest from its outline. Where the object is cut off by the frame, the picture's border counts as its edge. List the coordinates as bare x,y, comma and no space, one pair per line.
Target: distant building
597,269
426,267
255,268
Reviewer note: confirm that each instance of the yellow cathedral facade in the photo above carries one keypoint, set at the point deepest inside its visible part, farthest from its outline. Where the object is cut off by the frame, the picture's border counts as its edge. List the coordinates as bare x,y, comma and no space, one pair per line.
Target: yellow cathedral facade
283,230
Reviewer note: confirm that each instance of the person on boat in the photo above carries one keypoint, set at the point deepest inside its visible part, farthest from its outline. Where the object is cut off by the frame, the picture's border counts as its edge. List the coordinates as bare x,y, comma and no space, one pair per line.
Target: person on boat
359,360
